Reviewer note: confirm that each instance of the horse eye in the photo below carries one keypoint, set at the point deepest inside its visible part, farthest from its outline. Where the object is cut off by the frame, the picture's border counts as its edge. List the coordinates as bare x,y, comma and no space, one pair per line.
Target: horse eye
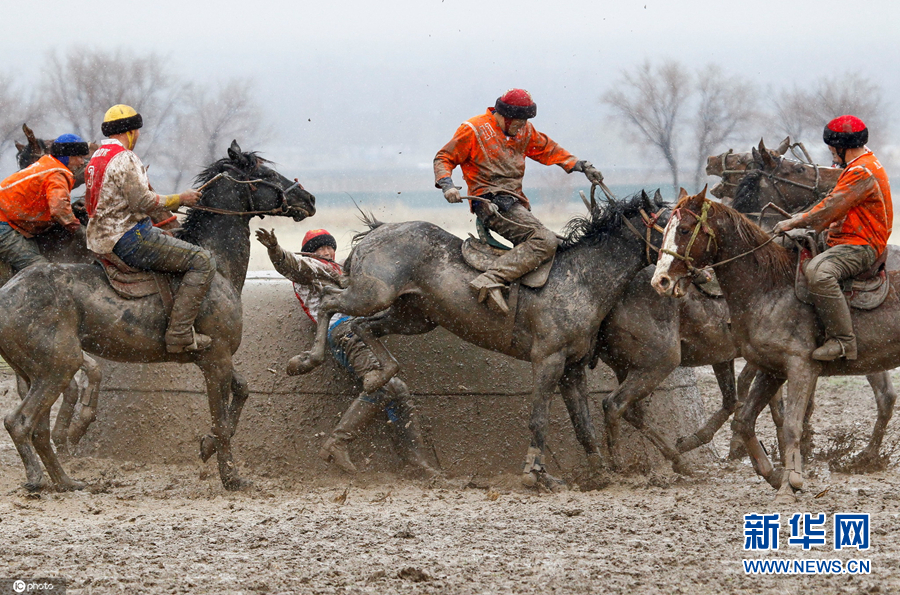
684,230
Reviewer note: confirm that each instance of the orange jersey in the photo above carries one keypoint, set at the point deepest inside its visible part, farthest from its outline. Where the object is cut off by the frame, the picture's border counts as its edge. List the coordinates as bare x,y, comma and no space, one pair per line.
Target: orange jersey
859,210
492,162
33,199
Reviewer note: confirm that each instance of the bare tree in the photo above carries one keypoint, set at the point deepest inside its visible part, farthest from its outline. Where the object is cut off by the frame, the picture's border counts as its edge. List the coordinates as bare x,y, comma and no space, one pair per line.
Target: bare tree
725,105
206,123
16,108
79,87
649,101
803,114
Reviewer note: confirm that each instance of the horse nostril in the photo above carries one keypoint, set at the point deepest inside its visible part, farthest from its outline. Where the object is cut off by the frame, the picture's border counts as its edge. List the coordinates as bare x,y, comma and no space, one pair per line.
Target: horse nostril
664,282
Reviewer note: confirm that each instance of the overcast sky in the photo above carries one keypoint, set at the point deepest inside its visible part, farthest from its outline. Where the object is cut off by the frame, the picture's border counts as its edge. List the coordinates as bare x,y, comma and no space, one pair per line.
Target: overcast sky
356,81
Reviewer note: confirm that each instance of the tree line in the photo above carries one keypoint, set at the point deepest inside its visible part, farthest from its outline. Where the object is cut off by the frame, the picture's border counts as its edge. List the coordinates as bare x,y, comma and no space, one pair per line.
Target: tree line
682,115
187,125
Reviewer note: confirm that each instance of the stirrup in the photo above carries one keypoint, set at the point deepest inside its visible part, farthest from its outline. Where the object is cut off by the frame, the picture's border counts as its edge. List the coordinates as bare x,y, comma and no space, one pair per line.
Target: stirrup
199,343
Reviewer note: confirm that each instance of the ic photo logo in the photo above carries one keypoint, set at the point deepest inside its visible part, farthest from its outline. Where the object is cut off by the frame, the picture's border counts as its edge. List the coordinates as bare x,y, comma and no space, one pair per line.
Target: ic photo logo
18,586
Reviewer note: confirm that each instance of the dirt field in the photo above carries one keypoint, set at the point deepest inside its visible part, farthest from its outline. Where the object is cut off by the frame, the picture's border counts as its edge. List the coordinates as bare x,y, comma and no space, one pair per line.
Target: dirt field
172,529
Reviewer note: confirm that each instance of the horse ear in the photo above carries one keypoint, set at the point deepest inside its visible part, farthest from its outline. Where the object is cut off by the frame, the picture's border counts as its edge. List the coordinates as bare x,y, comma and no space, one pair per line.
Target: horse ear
645,201
757,158
784,146
657,198
19,147
32,141
702,194
682,193
234,151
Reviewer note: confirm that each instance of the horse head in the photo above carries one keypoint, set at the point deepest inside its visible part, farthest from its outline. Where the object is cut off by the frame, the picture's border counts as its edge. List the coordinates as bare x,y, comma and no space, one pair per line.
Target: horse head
34,150
731,166
250,187
689,244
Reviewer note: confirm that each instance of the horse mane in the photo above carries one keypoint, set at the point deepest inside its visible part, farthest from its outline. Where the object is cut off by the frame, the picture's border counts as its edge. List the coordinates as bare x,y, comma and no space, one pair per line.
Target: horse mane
598,225
250,161
746,195
775,262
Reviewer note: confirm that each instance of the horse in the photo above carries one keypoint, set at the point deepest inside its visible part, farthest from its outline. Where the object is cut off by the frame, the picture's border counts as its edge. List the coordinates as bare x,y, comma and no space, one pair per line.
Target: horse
53,311
794,187
417,270
58,245
774,330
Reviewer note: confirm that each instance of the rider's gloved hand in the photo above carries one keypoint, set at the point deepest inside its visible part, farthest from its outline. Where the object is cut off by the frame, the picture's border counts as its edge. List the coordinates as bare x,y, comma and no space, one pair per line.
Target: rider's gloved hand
785,226
591,173
267,238
189,197
451,192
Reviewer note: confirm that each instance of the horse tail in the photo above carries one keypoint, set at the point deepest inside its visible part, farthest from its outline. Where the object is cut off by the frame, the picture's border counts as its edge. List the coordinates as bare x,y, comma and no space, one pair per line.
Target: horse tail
371,222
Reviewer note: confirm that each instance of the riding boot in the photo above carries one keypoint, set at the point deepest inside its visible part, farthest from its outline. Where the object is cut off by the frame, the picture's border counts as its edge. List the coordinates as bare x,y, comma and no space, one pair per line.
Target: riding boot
409,437
491,289
357,416
834,313
181,336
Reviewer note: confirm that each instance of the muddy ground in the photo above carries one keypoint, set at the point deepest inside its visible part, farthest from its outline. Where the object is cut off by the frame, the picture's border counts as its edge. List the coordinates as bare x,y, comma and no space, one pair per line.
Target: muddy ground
173,529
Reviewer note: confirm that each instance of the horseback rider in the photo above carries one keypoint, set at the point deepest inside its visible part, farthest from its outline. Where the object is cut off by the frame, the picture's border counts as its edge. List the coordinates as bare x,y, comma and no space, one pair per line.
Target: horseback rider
36,198
491,150
858,214
120,204
313,273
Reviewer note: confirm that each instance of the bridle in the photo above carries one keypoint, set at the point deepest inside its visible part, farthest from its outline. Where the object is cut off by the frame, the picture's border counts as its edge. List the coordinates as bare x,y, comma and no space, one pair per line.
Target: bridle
703,224
756,166
651,223
283,207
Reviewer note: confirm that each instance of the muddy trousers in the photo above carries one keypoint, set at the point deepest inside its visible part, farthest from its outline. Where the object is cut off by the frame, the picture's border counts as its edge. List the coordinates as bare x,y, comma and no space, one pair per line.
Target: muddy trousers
17,251
393,401
147,248
824,274
533,244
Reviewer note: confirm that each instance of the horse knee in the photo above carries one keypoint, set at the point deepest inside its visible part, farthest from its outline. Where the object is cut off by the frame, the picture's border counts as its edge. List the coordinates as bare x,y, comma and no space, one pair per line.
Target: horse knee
742,427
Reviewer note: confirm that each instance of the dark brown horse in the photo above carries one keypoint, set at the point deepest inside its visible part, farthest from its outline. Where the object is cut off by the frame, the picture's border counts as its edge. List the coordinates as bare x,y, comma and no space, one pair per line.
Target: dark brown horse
796,186
773,329
54,311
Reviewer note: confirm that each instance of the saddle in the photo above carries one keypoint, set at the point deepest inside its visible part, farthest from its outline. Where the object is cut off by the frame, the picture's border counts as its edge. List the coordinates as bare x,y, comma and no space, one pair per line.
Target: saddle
481,252
866,291
132,283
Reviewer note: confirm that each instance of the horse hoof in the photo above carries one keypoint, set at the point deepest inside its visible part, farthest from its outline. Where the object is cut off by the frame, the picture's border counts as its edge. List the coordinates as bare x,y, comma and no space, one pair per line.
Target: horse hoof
375,379
237,484
70,485
301,364
680,467
776,477
530,479
687,443
785,496
554,484
207,447
36,486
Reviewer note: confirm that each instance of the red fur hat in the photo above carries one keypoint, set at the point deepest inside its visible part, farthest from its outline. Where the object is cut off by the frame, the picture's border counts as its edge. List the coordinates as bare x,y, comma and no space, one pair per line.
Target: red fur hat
316,238
846,132
516,104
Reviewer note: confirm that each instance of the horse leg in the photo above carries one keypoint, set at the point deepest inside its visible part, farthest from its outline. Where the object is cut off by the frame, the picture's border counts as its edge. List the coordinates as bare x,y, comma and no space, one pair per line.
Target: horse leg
725,377
88,412
573,387
546,373
736,449
240,391
800,389
744,423
885,397
41,440
364,296
217,373
22,421
388,366
60,433
637,385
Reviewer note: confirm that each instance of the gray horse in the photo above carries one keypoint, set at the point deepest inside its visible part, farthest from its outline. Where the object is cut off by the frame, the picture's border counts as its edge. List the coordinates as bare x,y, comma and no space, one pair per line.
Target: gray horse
417,270
54,311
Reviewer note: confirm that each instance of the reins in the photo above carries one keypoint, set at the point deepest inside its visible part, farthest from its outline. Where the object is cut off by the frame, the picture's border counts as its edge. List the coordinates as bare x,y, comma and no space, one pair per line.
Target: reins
281,209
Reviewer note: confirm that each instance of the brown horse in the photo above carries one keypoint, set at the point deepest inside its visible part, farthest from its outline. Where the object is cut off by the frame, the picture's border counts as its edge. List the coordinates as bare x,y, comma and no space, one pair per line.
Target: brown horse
774,330
794,187
54,311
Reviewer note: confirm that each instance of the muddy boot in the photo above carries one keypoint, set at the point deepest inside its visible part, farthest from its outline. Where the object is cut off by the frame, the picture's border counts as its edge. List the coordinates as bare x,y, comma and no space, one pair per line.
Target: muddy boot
181,336
835,315
357,416
490,289
409,438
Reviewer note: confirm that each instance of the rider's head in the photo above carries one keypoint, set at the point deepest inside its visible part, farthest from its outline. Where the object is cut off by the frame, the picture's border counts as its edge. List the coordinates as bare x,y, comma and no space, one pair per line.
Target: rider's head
122,122
514,107
319,242
70,150
845,132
